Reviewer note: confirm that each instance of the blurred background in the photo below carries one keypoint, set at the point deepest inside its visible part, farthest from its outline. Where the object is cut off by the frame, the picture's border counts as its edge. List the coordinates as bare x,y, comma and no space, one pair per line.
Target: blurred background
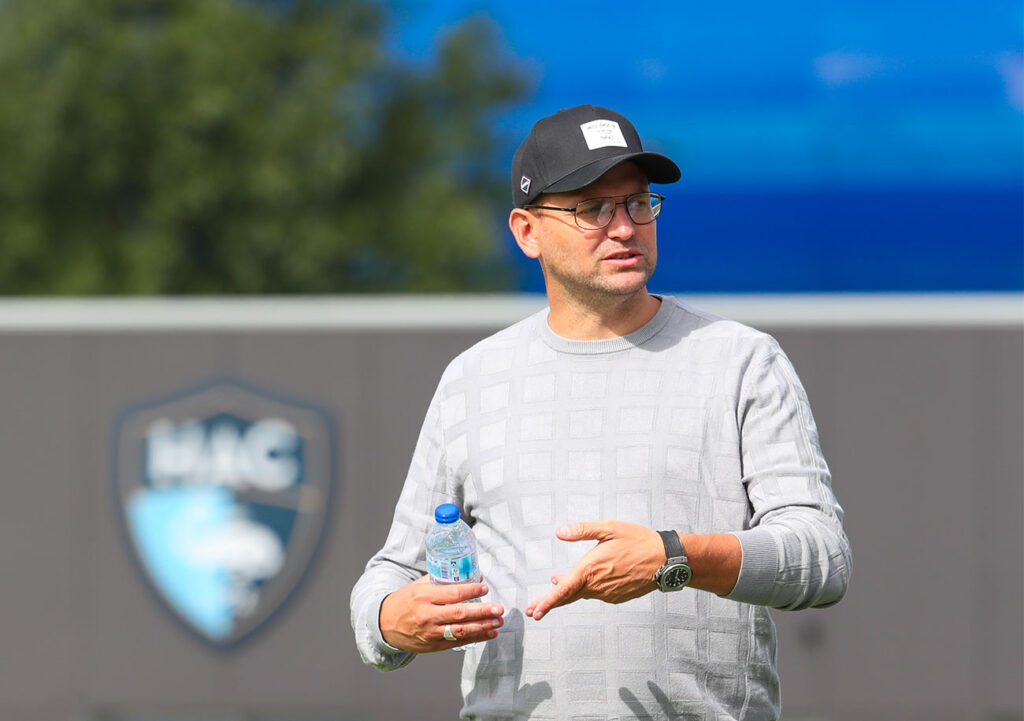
158,147
240,240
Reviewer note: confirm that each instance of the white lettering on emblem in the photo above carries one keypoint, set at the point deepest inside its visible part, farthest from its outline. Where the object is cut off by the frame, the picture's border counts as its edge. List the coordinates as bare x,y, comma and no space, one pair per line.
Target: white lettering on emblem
262,456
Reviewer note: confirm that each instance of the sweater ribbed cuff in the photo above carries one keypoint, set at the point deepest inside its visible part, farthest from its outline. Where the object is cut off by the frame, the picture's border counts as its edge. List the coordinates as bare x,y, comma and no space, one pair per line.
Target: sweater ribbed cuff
759,569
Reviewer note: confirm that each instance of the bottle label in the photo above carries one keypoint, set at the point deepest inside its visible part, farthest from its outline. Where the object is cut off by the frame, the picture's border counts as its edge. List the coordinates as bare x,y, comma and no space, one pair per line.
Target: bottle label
452,570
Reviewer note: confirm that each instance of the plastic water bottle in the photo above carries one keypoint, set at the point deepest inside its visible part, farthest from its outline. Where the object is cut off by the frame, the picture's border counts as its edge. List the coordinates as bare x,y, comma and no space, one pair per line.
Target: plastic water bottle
451,551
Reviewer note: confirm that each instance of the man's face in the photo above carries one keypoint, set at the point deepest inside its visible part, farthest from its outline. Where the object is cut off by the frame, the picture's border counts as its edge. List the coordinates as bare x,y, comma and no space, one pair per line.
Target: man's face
595,265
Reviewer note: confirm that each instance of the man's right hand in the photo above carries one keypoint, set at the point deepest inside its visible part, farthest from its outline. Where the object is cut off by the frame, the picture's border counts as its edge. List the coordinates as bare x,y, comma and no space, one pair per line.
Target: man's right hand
413,618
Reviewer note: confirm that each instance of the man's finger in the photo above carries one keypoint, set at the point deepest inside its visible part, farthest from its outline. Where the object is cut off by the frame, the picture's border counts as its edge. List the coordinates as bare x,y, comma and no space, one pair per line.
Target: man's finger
468,612
565,592
459,592
470,632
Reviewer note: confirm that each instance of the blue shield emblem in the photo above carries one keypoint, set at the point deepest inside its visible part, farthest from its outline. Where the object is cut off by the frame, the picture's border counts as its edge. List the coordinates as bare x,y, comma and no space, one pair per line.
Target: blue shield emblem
224,494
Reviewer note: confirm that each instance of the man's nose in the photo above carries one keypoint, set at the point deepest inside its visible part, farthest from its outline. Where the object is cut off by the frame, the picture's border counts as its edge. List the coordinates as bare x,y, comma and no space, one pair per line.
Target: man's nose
621,226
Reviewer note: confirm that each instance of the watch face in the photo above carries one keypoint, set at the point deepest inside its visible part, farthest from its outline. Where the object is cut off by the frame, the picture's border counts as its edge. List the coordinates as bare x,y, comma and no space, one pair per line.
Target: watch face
676,577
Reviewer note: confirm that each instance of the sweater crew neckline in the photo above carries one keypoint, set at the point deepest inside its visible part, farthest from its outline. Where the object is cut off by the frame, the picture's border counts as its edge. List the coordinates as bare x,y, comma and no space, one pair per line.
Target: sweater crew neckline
608,345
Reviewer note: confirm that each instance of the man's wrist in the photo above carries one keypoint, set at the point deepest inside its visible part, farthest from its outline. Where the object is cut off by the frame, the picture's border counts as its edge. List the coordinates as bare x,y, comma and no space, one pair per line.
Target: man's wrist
715,559
380,629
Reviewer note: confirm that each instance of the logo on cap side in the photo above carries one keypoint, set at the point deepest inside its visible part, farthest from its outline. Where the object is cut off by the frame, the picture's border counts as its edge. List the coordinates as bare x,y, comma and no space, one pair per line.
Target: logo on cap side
524,185
603,134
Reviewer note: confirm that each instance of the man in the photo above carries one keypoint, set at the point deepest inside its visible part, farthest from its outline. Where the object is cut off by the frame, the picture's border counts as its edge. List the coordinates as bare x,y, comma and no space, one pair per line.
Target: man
611,416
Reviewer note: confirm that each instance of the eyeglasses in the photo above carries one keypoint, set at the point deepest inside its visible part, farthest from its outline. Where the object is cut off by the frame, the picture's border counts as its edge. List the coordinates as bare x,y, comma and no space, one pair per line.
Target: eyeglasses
596,213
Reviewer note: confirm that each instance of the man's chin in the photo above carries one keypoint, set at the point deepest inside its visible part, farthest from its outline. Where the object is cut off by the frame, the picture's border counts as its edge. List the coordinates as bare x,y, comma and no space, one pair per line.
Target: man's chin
626,283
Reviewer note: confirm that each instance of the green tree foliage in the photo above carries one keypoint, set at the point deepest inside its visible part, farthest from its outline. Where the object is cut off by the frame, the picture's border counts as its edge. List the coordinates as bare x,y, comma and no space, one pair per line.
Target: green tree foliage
224,146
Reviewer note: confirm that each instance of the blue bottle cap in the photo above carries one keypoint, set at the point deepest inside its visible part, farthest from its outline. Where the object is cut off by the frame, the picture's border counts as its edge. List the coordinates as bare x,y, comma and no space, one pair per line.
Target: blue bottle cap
446,513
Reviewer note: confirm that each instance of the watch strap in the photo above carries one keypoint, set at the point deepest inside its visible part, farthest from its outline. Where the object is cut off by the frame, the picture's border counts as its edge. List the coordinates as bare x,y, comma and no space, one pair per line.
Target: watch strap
673,546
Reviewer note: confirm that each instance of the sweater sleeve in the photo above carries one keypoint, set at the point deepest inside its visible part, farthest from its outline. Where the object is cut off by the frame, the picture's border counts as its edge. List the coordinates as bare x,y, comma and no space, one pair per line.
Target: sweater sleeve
403,557
795,552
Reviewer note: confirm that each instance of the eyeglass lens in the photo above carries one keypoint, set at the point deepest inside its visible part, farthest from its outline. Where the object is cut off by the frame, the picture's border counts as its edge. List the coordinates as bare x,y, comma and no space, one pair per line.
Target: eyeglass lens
596,213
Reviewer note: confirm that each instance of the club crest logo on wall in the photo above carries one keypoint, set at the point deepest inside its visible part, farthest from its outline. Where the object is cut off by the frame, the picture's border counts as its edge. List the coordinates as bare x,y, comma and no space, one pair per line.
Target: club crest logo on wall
224,493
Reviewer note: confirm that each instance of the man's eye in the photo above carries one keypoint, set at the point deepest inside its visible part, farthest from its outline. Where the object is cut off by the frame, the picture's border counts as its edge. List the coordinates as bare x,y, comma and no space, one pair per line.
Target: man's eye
588,210
641,203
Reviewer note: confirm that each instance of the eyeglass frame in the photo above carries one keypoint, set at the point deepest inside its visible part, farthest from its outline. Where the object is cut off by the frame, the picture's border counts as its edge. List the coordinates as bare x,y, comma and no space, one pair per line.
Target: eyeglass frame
625,198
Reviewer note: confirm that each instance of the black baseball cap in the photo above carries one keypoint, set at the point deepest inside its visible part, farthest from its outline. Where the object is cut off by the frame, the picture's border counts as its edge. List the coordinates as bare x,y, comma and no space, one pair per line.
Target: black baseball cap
576,146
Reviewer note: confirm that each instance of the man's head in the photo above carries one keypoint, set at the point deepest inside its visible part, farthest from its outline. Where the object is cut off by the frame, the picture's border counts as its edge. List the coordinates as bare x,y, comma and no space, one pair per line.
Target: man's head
584,209
574,147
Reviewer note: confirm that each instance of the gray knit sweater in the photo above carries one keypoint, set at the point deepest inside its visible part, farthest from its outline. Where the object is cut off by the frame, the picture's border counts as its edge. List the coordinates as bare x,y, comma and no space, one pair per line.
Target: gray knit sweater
692,423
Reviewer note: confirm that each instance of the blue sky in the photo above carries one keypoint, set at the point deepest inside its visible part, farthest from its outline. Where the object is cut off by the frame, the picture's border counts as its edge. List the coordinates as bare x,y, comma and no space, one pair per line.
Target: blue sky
901,92
812,100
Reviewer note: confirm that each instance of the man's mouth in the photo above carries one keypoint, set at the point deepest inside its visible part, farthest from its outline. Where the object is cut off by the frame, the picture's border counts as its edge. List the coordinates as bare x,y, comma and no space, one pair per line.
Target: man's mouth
625,257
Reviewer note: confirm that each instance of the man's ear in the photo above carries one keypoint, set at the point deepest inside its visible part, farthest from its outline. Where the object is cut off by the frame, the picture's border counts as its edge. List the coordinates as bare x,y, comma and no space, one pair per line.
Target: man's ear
524,227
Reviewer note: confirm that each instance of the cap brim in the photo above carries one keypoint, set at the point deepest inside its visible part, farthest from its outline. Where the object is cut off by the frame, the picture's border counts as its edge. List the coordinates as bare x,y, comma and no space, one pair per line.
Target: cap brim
657,167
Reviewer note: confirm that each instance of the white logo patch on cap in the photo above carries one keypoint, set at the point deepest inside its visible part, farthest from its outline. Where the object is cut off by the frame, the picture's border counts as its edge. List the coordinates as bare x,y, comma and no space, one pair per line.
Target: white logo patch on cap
524,185
603,134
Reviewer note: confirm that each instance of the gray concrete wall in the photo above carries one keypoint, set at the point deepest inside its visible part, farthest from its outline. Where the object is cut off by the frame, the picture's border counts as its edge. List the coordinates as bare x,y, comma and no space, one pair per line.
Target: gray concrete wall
924,413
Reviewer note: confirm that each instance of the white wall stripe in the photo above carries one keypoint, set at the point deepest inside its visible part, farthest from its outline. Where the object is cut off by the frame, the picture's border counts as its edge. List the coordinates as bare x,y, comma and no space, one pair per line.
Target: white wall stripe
380,312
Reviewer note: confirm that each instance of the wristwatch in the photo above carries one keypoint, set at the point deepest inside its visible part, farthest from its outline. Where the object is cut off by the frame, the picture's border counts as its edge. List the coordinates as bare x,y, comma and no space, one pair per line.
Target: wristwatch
675,574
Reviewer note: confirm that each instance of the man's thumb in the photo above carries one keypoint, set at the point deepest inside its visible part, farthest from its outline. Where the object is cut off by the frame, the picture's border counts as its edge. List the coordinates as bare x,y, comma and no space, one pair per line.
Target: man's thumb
584,532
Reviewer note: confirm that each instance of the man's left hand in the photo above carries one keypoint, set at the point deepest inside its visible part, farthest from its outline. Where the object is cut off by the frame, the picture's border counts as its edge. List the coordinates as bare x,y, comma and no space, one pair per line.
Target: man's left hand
619,568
